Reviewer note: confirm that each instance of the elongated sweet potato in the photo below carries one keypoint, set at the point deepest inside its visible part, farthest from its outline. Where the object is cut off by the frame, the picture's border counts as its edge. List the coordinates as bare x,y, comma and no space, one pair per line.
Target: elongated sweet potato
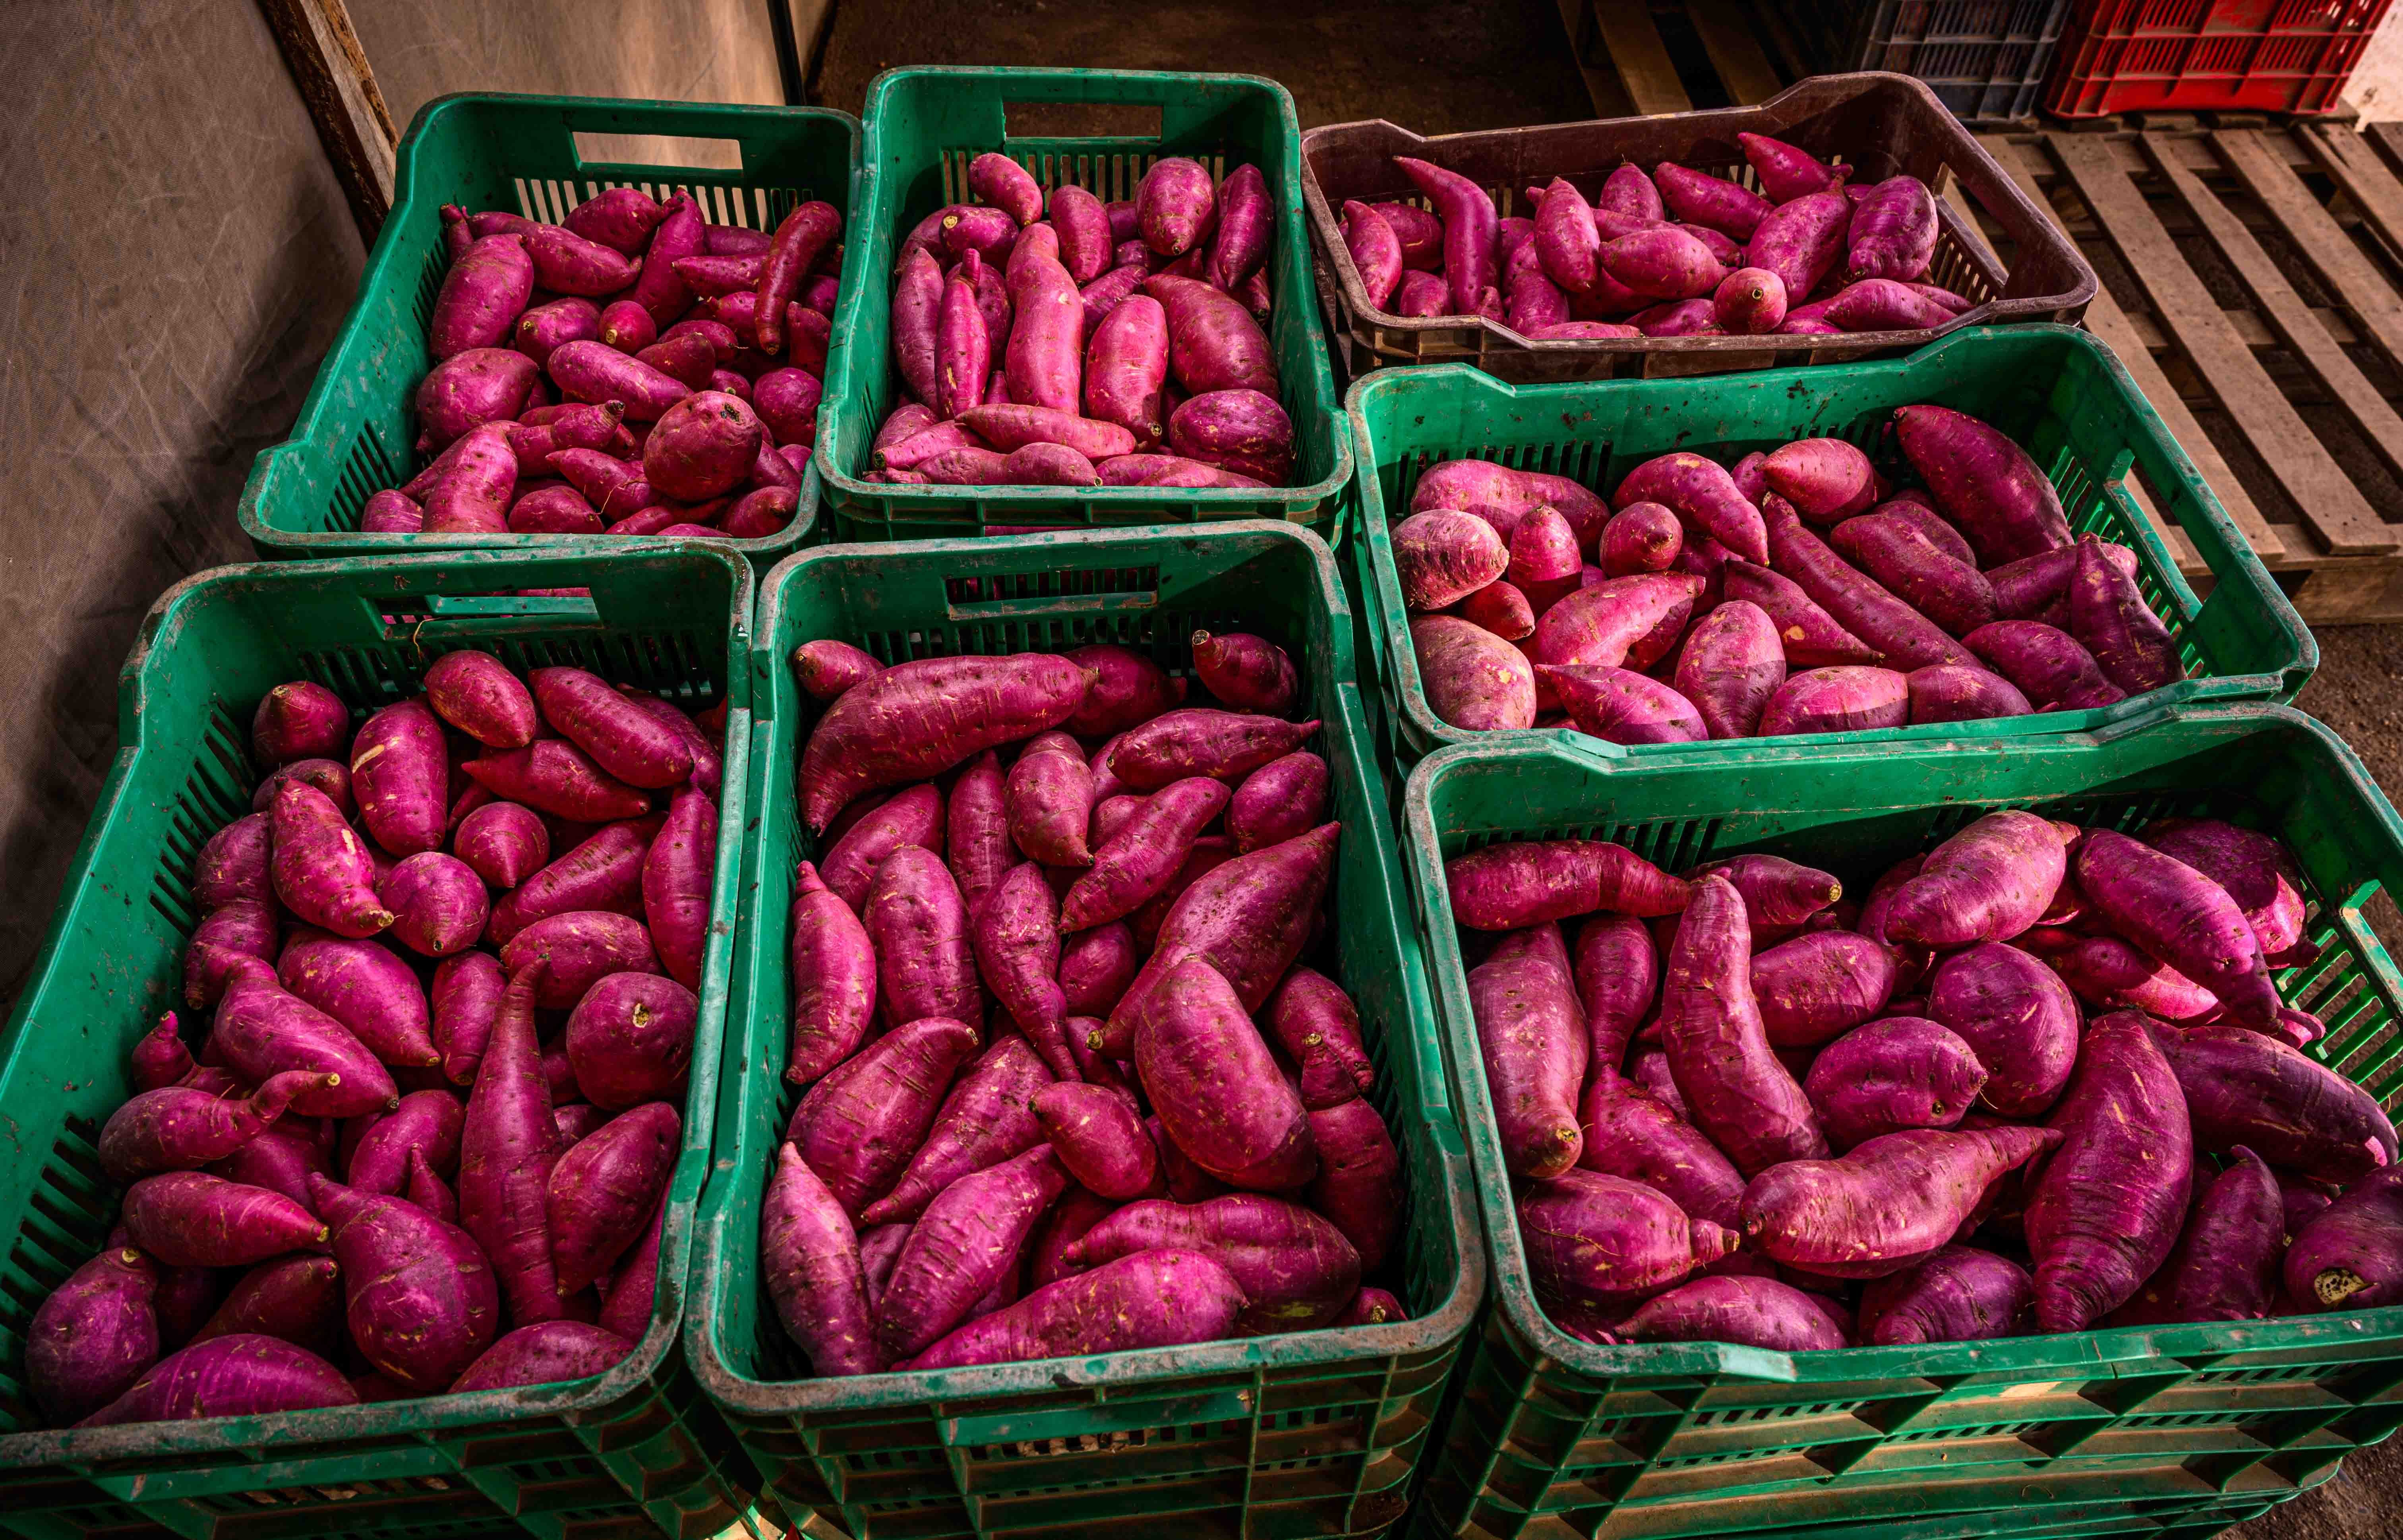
508,1145
1908,639
918,926
1296,1268
2180,916
2016,1016
1758,1312
2245,1088
321,871
1508,886
2050,668
1988,883
244,928
1718,1051
366,987
919,718
1620,622
1810,637
421,1301
465,997
1732,665
1600,1243
239,1375
554,776
1015,936
809,1256
1886,1205
189,1219
1048,801
1984,482
1318,1027
428,1121
262,1030
1629,1133
1700,492
1837,699
1689,195
1156,1297
1623,706
859,1125
2109,618
1215,1087
2108,1206
1099,1137
2257,871
912,816
1138,863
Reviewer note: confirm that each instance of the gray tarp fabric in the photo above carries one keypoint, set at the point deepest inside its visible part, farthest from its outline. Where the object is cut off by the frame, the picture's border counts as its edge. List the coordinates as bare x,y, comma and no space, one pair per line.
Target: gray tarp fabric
177,256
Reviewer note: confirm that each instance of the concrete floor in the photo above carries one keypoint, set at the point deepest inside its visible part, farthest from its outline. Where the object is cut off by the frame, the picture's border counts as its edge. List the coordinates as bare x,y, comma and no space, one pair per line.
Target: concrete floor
1488,64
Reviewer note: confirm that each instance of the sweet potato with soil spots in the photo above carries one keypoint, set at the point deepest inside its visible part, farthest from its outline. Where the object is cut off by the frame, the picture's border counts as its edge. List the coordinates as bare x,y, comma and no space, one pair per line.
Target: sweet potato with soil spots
1758,1312
1958,1294
2180,916
429,1121
2110,975
1809,636
2242,1087
1718,1050
366,987
912,816
1629,1133
1137,864
1837,699
1824,479
1318,1027
1214,1084
241,1375
322,872
1906,638
1599,1243
919,718
189,1219
1984,482
1527,882
2017,1018
1898,1072
2257,869
2108,1206
1157,1297
1621,621
554,776
1015,936
1700,492
1531,1034
859,1125
1988,883
2049,666
1818,985
1296,1268
420,1300
2109,618
94,1335
262,1031
1956,692
969,1237
1128,690
244,928
1099,1137
1048,799
1472,678
398,764
507,1146
809,1254
1888,1204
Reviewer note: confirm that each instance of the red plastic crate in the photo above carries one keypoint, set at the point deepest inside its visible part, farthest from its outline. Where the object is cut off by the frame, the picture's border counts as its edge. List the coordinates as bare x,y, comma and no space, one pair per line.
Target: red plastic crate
2265,55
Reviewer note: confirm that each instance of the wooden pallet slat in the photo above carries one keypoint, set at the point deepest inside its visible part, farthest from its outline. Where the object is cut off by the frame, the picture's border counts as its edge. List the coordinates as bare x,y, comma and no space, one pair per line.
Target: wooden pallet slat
2296,327
2330,503
2108,321
1601,83
1732,37
2349,273
1634,46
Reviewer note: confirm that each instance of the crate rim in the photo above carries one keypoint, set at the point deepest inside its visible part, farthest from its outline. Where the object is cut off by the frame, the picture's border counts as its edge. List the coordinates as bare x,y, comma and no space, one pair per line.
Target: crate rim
2032,1356
1142,1373
421,1419
1376,527
1328,230
382,259
1293,226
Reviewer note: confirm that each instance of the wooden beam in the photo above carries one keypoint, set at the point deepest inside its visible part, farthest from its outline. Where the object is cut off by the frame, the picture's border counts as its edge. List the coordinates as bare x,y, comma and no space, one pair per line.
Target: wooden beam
331,70
1641,59
1732,40
1601,81
2327,498
2105,319
2351,278
2276,299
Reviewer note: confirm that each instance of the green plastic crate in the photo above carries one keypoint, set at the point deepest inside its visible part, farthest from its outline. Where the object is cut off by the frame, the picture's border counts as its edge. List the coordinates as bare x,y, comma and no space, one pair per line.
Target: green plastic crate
631,1451
2056,390
1554,1436
1307,1433
924,128
537,156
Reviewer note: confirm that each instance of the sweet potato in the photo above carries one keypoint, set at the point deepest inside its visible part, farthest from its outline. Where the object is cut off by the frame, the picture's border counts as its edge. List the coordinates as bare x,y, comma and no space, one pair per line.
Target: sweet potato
183,1127
1214,1084
1156,1297
478,694
1959,1294
234,864
1956,692
1126,369
634,1291
591,370
1470,229
553,776
2181,917
1283,799
1245,672
1175,206
1620,622
2049,666
1441,557
2347,1256
507,1146
1732,665
240,1375
1640,537
1501,494
322,873
1015,936
2254,868
962,344
1600,1243
1509,886
262,1030
1819,985
1837,699
1245,219
1472,678
968,1238
1809,636
1317,1026
918,926
1213,341
1295,1267
1097,1135
2017,1018
1748,301
2107,1205
579,949
1893,230
1988,883
1899,1072
1202,741
1711,1026
1048,799
1760,1312
367,988
630,1038
1694,196
2036,587
1376,251
1908,639
189,1219
1799,240
159,1058
604,1188
2228,1261
1623,706
1628,1132
809,1254
422,1302
912,816
465,997
1700,491
1096,965
1824,478
482,295
2109,618
604,872
92,1337
678,873
1916,569
2245,1088
1776,893
239,928
438,902
1984,482
1788,171
1886,1205
1138,864
919,718
1084,231
2110,975
546,1353
1531,1034
1129,689
858,1126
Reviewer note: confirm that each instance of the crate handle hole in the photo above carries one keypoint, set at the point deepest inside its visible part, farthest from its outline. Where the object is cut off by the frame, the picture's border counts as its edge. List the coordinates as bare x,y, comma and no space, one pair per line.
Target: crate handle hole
1080,120
661,151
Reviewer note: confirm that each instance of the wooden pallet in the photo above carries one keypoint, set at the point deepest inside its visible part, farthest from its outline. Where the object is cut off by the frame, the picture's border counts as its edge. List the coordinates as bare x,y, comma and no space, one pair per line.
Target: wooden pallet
2253,283
1631,53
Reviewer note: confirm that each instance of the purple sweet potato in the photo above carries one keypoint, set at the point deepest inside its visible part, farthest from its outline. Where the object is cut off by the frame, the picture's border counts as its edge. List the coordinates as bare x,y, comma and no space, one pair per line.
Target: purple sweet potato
1600,1243
422,1301
2245,1088
553,776
1899,1072
2347,1256
1508,886
92,1337
2108,1206
919,718
1015,935
1916,570
2109,974
678,872
630,1038
1098,1136
478,694
1988,883
1175,206
1699,491
2181,917
241,1375
1202,741
592,371
1956,692
1623,706
1247,215
262,1030
1376,251
1631,1133
189,1219
1441,557
1155,1297
1810,637
239,928
1213,341
1984,482
398,764
234,863
438,902
322,873
1620,622
859,1125
1662,262
482,297
2017,1018
1760,1312
826,667
1531,1034
579,949
918,926
1718,1050
2257,871
1959,1294
2234,1242
1041,361
2050,668
1472,678
1700,197
1358,1186
912,816
1096,966
970,1235
1732,665
1048,801
1837,699
1470,229
810,1257
388,512
621,738
1893,230
546,1353
604,1190
2036,587
507,1147
1640,537
466,998
1138,863
1886,1205
1283,799
1214,1084
1788,171
1820,985
1801,240
503,843
161,1058
1296,1268
1824,478
2109,618
1908,639
1501,494
1245,672
1317,1026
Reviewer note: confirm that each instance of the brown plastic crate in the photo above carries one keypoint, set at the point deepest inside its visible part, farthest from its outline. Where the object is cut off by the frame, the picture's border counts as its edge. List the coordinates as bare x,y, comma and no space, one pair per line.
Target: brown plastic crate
1885,125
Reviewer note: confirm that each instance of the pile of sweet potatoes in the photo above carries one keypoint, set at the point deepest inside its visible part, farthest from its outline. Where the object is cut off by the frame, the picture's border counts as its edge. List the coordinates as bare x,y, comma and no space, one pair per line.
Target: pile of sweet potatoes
632,371
1065,341
452,958
2039,1081
1070,1088
1679,253
1798,591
